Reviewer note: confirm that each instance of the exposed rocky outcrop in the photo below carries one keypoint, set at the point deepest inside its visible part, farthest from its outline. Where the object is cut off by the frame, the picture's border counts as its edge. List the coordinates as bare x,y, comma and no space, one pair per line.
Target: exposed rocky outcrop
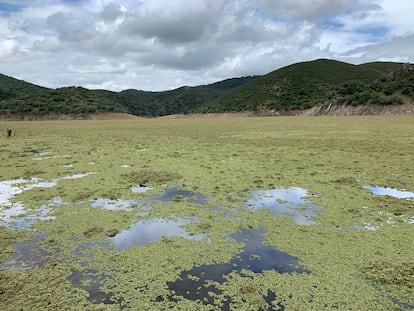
402,73
342,109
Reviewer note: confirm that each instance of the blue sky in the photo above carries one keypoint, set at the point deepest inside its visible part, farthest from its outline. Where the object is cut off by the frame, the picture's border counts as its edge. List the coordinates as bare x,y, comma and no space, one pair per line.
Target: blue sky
8,8
160,45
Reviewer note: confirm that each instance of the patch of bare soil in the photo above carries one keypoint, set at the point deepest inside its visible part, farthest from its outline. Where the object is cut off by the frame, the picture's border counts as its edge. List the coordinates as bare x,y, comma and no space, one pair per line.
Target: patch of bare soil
345,110
326,109
81,116
210,115
320,110
113,116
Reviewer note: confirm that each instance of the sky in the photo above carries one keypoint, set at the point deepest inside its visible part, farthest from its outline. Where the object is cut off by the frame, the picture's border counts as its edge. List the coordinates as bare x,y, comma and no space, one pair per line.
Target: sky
156,45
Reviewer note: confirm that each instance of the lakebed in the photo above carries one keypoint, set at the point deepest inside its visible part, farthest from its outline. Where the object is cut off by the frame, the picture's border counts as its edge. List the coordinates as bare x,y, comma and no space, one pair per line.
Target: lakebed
270,213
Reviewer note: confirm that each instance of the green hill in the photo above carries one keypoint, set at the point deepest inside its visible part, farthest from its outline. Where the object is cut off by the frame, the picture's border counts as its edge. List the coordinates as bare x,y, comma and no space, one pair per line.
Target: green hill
19,98
72,100
298,86
382,68
396,87
182,100
12,88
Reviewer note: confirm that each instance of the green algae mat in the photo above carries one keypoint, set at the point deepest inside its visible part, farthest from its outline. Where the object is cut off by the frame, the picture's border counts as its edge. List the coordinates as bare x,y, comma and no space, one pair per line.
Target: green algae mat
282,213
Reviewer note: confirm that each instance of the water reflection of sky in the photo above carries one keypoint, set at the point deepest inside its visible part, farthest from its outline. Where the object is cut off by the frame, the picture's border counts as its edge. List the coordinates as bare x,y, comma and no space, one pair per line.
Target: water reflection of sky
285,201
258,257
171,195
18,217
115,204
10,210
12,214
140,189
390,191
27,255
366,226
255,257
8,190
76,176
37,183
149,231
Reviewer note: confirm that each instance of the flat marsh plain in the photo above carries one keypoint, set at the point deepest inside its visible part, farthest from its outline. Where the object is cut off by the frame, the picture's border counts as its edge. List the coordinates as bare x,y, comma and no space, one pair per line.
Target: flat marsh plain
136,214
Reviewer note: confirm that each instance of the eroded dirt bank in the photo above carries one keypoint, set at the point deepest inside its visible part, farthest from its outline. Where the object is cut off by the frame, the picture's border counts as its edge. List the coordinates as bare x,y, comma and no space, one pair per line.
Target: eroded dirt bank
320,110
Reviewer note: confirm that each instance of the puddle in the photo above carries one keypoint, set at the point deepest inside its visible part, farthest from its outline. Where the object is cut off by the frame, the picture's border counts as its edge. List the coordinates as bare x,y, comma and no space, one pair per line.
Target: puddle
10,210
46,158
41,154
232,216
19,217
140,189
87,278
15,214
141,233
90,281
285,201
255,257
149,231
27,255
37,183
390,191
389,219
366,226
76,176
174,194
403,305
36,152
116,205
8,190
9,216
41,214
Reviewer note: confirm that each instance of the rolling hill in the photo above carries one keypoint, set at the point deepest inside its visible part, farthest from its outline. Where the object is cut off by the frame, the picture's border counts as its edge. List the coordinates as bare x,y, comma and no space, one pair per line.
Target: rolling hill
182,100
11,88
301,86
19,99
295,87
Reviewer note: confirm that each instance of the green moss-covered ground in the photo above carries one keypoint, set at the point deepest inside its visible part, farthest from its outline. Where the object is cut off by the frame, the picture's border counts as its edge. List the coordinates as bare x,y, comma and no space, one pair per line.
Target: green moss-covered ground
223,159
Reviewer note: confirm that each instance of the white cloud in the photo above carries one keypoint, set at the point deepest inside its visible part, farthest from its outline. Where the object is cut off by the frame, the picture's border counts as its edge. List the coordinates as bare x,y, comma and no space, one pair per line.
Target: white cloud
8,49
400,49
302,9
157,44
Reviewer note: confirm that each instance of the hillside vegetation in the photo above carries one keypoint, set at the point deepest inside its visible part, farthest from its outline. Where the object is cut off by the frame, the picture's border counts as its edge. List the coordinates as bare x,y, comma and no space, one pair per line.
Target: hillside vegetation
182,100
295,87
304,85
19,98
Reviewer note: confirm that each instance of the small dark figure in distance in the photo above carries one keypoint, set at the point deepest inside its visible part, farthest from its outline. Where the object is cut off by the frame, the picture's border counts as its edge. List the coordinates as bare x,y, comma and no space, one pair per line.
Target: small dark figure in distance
9,132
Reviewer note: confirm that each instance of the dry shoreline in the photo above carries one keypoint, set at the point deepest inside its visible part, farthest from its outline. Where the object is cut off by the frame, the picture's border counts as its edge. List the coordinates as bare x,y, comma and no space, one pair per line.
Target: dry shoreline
320,110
